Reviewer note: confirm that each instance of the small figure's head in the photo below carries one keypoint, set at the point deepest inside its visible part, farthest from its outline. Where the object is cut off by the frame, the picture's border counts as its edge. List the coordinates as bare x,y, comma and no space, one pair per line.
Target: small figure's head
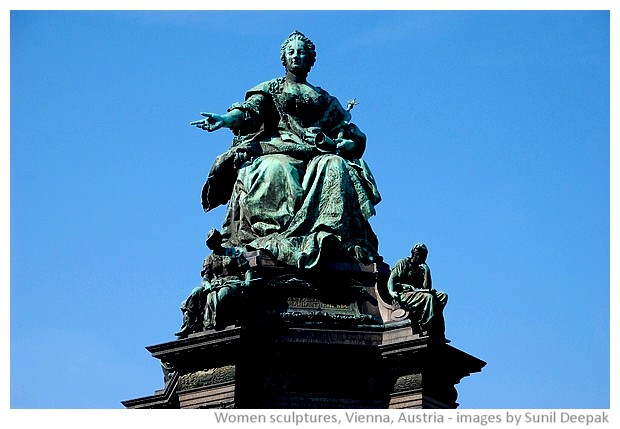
214,239
419,252
298,53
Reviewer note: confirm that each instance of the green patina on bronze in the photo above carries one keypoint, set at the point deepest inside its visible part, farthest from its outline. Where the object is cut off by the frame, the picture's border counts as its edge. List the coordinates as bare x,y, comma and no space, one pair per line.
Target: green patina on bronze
293,179
411,286
298,193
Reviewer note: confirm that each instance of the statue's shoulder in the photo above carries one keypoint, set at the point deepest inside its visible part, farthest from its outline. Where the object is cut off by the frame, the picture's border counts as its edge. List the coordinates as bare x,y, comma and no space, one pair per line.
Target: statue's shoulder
333,101
403,261
273,86
401,265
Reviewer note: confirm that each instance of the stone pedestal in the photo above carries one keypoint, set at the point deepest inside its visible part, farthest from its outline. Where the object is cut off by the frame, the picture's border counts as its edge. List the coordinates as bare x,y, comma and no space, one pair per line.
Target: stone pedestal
311,347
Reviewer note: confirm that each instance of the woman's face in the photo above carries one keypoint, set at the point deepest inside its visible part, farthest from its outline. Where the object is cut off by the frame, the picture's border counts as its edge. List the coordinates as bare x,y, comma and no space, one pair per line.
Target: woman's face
296,57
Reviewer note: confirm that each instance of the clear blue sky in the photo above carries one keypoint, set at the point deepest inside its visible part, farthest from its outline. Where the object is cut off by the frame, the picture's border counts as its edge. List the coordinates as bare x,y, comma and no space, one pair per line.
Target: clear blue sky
488,134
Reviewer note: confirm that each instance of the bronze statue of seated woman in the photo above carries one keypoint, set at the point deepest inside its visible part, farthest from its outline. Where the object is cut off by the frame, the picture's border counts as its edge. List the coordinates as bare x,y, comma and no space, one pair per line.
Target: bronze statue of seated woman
293,178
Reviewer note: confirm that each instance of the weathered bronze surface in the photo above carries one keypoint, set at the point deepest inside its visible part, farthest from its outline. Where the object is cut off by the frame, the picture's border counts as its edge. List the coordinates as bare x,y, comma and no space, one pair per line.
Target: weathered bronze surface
293,178
297,193
296,308
411,286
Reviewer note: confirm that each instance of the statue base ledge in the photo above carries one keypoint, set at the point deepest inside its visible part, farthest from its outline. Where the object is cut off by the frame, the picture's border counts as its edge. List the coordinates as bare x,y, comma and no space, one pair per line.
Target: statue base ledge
306,367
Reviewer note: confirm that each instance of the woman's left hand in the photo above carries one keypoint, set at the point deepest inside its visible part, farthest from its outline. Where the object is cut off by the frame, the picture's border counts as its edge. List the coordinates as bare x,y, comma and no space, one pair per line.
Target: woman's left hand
344,145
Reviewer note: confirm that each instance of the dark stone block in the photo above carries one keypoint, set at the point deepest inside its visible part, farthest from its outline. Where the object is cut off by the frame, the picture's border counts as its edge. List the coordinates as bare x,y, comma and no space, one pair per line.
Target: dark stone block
309,344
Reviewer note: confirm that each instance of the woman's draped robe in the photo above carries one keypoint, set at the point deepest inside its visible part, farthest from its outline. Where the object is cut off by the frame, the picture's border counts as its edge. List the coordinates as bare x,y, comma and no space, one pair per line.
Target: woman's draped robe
290,198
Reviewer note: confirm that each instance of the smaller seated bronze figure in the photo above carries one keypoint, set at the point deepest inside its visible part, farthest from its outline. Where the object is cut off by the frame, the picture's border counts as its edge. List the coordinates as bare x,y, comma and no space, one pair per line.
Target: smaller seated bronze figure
223,273
411,287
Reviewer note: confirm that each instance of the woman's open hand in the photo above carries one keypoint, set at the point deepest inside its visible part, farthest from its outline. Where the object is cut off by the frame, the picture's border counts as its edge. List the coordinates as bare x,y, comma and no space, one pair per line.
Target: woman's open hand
211,122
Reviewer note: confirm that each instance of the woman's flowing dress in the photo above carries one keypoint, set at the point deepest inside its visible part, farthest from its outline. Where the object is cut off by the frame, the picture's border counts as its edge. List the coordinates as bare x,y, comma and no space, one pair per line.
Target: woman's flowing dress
286,195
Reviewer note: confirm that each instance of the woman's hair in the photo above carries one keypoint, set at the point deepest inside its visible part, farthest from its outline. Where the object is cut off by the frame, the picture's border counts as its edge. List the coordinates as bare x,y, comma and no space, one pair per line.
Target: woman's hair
309,45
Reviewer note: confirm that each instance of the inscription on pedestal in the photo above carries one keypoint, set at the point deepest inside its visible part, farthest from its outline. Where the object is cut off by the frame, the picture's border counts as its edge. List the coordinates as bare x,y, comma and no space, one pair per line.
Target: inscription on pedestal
311,305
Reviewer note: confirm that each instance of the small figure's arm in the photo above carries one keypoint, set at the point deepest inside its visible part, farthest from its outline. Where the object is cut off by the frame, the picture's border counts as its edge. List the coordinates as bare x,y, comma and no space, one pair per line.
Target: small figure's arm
427,283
